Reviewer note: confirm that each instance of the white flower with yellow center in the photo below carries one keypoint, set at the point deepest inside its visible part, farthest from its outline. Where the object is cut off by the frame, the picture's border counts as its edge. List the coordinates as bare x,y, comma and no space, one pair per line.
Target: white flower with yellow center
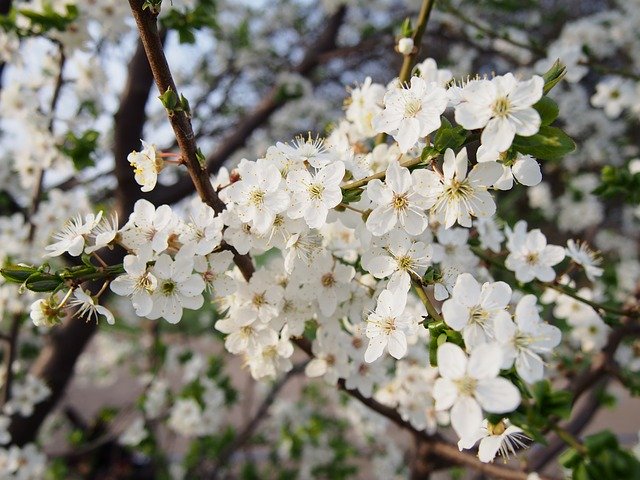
503,106
525,341
146,164
500,438
411,113
388,326
473,309
469,385
396,201
258,196
138,282
313,195
456,196
398,258
529,255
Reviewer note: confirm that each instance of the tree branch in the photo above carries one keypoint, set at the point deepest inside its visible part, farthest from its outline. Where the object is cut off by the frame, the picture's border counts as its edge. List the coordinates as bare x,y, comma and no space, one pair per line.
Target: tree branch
271,103
249,429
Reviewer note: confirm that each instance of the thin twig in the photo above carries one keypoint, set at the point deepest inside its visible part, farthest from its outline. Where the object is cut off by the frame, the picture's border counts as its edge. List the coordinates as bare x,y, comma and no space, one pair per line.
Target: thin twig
9,357
261,414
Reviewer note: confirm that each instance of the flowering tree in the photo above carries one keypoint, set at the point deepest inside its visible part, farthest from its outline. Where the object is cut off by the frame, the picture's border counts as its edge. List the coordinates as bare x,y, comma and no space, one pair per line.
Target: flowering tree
425,258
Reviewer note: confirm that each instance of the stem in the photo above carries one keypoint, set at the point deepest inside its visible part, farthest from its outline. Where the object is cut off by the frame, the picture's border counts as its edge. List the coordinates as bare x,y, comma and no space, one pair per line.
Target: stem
568,438
410,60
380,175
560,288
349,207
9,357
431,309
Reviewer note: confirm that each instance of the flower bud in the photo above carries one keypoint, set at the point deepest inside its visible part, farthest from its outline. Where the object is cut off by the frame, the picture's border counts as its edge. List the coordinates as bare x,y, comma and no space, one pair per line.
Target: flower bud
405,45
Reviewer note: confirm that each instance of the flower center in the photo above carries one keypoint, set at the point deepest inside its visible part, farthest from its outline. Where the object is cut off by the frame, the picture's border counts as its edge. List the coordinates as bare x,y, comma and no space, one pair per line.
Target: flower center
256,197
388,325
412,107
400,202
532,258
478,315
501,107
458,190
315,191
327,280
405,263
466,385
497,429
168,287
258,300
145,282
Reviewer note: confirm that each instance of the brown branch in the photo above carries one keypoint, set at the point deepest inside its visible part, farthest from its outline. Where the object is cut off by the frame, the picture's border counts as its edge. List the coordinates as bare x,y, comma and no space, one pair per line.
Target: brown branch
129,121
249,429
271,103
56,361
37,190
9,357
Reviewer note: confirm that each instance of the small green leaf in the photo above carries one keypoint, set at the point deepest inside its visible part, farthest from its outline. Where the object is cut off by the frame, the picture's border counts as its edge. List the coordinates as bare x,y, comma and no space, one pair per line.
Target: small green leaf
550,143
352,195
548,110
17,273
553,76
169,99
449,136
42,282
405,29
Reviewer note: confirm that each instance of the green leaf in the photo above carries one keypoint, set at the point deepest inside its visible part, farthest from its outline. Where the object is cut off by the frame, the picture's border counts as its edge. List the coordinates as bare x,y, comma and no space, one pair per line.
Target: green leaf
548,110
553,76
619,182
351,195
405,29
449,136
17,273
550,143
81,149
169,99
42,282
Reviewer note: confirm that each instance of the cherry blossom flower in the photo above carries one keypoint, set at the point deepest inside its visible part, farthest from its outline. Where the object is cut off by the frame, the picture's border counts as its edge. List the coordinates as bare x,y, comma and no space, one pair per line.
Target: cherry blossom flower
45,312
581,254
398,258
88,308
307,150
474,310
411,113
313,195
524,168
503,106
529,255
457,196
138,282
467,385
396,201
501,438
525,341
204,230
146,165
148,226
258,196
388,326
178,287
71,239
